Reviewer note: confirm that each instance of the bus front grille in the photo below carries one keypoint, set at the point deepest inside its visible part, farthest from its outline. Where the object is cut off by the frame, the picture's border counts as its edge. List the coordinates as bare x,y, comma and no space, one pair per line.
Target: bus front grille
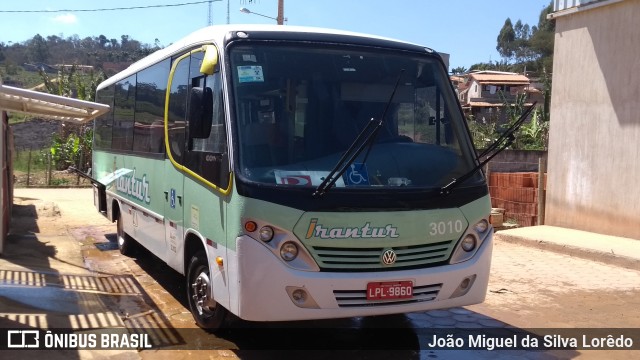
370,259
358,298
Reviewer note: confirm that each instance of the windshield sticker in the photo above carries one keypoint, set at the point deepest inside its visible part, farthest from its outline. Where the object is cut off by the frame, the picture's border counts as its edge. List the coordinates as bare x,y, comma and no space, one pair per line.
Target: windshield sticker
367,231
249,57
250,73
195,217
357,174
303,178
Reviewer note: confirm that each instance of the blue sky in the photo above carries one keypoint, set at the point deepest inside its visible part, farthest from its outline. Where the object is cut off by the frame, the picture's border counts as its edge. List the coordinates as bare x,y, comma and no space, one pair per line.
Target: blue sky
466,29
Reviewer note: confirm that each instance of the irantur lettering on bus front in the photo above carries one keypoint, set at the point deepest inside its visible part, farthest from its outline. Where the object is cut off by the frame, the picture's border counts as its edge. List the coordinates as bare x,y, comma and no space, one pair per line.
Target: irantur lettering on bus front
367,231
137,188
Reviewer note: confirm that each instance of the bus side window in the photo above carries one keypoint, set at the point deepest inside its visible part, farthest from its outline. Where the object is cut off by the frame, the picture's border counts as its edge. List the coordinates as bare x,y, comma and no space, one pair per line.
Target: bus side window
123,114
149,110
104,124
176,115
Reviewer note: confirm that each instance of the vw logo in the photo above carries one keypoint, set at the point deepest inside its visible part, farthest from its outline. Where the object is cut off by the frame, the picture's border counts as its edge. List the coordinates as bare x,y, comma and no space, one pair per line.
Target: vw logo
389,257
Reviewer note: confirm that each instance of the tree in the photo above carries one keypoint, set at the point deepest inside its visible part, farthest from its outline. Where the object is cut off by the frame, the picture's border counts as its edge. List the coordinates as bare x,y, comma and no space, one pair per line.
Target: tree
91,50
73,143
103,41
124,41
521,47
38,50
496,66
529,47
459,70
542,39
506,40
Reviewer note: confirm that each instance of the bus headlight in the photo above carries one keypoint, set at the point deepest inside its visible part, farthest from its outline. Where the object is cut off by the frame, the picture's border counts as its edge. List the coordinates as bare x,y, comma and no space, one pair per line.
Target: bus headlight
266,233
288,251
468,243
481,226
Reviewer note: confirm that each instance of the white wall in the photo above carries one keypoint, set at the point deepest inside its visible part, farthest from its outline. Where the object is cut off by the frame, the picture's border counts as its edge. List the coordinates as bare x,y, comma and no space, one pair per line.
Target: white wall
594,143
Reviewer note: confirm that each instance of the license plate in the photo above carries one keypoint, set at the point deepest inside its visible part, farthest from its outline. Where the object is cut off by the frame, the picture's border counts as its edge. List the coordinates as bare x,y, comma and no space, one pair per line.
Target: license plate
389,290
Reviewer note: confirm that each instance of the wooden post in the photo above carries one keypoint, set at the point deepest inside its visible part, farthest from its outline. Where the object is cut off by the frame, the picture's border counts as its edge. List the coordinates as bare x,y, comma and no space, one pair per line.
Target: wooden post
487,174
79,166
542,169
48,168
29,167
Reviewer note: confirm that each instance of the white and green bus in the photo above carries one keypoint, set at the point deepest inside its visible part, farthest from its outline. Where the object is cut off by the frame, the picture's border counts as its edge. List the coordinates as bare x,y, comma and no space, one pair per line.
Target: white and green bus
295,173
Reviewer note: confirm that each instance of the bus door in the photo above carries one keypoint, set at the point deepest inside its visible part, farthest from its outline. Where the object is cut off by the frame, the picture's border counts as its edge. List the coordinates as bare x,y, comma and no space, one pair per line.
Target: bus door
176,118
197,173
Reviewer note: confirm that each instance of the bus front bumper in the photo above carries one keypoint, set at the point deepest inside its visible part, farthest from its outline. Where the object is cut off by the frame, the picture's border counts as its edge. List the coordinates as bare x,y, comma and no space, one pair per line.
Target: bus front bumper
261,287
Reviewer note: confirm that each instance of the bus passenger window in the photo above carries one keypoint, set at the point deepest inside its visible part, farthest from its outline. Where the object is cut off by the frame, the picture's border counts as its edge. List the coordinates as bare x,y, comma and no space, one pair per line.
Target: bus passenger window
177,110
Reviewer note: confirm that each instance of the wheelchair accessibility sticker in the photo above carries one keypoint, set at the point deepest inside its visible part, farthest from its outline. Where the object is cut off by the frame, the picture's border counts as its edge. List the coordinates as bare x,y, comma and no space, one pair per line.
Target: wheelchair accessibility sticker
357,174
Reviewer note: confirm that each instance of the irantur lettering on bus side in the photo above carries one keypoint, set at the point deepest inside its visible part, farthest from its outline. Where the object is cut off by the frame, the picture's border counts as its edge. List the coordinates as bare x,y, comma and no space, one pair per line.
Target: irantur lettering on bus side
367,231
134,187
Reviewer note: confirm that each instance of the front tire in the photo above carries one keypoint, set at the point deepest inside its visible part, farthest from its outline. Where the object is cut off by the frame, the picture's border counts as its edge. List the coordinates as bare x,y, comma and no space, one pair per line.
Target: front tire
207,313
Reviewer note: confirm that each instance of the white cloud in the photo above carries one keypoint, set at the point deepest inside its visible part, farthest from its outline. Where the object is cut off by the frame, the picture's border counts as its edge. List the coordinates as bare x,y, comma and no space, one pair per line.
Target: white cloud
66,19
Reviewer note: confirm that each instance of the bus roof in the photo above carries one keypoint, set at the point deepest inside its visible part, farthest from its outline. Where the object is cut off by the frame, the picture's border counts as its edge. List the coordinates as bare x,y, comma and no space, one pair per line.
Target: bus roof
218,33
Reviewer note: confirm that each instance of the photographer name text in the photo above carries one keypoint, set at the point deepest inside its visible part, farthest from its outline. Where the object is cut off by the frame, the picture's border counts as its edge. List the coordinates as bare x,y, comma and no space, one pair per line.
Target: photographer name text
529,341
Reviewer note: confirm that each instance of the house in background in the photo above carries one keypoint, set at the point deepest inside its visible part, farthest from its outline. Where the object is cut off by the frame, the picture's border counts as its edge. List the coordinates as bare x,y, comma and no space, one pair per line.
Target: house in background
111,68
594,143
481,93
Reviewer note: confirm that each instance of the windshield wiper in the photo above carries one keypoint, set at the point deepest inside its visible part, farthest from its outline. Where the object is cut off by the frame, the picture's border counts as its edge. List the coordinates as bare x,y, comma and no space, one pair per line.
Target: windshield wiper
504,141
369,134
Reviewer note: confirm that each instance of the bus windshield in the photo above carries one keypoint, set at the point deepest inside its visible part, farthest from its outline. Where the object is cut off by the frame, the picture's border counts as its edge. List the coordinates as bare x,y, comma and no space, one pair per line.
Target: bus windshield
299,108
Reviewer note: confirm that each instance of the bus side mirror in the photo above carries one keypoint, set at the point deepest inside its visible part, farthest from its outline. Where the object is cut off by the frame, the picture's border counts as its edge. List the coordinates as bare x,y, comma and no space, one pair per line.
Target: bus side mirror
200,113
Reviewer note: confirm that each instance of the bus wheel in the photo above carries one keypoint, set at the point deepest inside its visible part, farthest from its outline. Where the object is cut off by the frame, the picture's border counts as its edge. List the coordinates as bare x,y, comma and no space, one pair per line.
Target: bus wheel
206,311
125,242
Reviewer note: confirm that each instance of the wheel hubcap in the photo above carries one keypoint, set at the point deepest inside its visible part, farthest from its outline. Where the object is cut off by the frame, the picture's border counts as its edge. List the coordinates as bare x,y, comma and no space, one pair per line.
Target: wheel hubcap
200,291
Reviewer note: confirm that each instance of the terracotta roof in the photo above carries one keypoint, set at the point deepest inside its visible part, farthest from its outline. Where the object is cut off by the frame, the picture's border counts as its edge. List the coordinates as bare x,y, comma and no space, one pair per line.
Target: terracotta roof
512,79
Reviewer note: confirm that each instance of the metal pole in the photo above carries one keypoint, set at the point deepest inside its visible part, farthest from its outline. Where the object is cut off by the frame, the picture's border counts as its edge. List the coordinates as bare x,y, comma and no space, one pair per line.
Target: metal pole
542,169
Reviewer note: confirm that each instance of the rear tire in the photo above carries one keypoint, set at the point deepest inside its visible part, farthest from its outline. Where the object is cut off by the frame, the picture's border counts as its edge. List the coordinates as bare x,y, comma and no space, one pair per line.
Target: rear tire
126,244
207,313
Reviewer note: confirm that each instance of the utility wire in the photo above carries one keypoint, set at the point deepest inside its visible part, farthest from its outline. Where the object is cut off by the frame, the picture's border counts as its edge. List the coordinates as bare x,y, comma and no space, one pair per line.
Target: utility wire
109,9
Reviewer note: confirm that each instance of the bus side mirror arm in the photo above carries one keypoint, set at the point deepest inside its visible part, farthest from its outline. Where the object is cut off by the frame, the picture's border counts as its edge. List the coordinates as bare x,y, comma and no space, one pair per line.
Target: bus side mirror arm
210,60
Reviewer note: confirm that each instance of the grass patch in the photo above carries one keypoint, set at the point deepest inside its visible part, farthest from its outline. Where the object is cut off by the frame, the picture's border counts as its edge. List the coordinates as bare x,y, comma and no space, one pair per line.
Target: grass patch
26,79
18,118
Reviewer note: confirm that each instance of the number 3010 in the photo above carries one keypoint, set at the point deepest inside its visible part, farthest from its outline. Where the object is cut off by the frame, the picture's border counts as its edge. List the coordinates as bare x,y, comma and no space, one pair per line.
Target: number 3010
445,227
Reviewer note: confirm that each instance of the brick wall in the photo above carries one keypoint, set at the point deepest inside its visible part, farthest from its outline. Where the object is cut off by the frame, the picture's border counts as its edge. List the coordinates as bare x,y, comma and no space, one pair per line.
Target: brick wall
517,194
